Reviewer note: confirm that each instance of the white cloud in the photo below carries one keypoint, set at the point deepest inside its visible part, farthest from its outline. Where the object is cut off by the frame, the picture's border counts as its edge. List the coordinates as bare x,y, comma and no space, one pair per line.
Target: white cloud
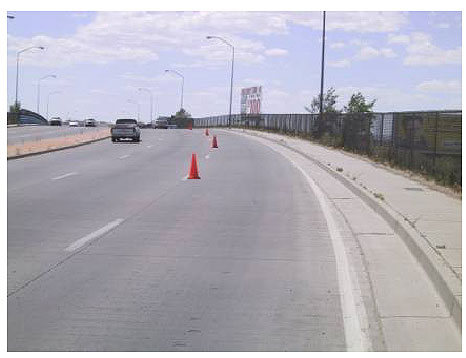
143,36
369,52
276,52
372,21
79,14
337,45
340,63
197,64
443,26
276,94
439,86
395,99
364,53
421,52
250,82
387,52
398,39
98,91
357,42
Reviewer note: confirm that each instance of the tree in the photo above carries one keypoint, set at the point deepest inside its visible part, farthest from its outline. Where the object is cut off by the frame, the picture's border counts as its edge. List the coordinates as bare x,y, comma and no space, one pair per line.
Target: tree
358,104
182,113
14,108
330,99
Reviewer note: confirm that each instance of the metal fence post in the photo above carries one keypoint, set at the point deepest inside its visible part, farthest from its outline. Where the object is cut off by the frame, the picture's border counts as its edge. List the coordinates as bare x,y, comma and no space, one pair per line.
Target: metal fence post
412,144
435,143
381,130
369,136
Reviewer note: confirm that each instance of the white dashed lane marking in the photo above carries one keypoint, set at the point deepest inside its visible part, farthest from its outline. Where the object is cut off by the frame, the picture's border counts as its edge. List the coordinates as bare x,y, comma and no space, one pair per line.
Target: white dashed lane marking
94,235
64,176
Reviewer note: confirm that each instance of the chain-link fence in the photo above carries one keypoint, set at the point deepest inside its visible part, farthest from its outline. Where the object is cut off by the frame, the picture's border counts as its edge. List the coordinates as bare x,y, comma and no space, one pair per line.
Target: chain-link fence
424,142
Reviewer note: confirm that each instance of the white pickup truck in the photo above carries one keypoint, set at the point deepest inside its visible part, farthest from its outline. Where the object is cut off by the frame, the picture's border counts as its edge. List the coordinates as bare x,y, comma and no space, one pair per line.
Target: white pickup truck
126,129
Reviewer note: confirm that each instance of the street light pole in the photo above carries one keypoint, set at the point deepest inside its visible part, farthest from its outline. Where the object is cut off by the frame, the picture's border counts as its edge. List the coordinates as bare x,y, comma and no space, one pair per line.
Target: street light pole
38,90
322,80
182,85
232,68
17,68
137,104
48,100
151,101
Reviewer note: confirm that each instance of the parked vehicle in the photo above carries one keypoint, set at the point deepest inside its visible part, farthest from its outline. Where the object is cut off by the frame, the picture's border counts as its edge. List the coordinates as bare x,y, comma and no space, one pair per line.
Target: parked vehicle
161,124
144,125
90,122
73,123
126,128
55,121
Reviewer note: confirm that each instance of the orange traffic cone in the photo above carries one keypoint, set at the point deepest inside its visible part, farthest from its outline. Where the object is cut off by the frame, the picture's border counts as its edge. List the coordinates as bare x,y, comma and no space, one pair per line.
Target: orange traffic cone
207,131
193,172
214,142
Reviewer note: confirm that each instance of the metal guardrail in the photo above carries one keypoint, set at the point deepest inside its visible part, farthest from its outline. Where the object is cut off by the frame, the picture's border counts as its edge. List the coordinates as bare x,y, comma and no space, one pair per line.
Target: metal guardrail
427,142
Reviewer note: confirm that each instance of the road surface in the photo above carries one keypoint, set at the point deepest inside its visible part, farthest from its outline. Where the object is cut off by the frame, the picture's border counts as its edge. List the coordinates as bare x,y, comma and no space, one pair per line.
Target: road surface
111,248
18,135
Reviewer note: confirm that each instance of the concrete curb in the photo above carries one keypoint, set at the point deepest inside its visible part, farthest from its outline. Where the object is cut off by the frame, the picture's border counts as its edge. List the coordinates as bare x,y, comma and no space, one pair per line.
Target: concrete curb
437,269
57,149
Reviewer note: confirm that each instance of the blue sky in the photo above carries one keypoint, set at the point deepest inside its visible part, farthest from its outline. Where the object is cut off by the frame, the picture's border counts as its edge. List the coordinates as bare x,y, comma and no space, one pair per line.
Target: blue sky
405,60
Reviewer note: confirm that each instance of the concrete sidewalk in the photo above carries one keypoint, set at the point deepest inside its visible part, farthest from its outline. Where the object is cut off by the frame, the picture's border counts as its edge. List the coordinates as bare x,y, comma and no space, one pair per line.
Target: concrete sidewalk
428,220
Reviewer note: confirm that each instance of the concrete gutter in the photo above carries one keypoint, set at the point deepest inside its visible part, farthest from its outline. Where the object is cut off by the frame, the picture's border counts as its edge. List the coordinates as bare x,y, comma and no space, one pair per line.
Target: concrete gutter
437,269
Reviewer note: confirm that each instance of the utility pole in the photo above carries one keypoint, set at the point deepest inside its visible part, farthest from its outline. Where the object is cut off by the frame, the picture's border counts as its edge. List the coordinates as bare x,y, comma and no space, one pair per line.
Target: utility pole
182,84
321,116
38,90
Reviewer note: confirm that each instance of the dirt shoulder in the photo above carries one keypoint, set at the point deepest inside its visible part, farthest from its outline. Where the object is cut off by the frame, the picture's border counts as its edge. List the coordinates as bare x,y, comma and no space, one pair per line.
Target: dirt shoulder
53,144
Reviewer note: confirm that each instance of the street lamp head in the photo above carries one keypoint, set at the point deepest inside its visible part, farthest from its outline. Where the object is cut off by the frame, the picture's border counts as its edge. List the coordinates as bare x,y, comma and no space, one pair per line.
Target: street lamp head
167,70
208,37
41,47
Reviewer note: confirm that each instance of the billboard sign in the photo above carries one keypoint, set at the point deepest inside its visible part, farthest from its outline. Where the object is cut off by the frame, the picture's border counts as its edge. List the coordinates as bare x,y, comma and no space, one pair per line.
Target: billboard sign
251,100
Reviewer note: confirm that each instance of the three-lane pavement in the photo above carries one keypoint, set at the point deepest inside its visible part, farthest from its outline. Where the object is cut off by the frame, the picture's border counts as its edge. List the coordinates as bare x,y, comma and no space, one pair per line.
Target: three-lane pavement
111,248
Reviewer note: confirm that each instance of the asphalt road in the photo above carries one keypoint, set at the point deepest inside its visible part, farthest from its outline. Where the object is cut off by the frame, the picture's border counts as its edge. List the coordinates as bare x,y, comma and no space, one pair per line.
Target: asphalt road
111,248
18,135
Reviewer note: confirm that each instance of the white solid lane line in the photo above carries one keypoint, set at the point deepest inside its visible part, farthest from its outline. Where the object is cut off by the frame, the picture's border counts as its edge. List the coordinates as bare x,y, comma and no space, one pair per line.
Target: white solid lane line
94,235
64,176
356,338
124,156
354,314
